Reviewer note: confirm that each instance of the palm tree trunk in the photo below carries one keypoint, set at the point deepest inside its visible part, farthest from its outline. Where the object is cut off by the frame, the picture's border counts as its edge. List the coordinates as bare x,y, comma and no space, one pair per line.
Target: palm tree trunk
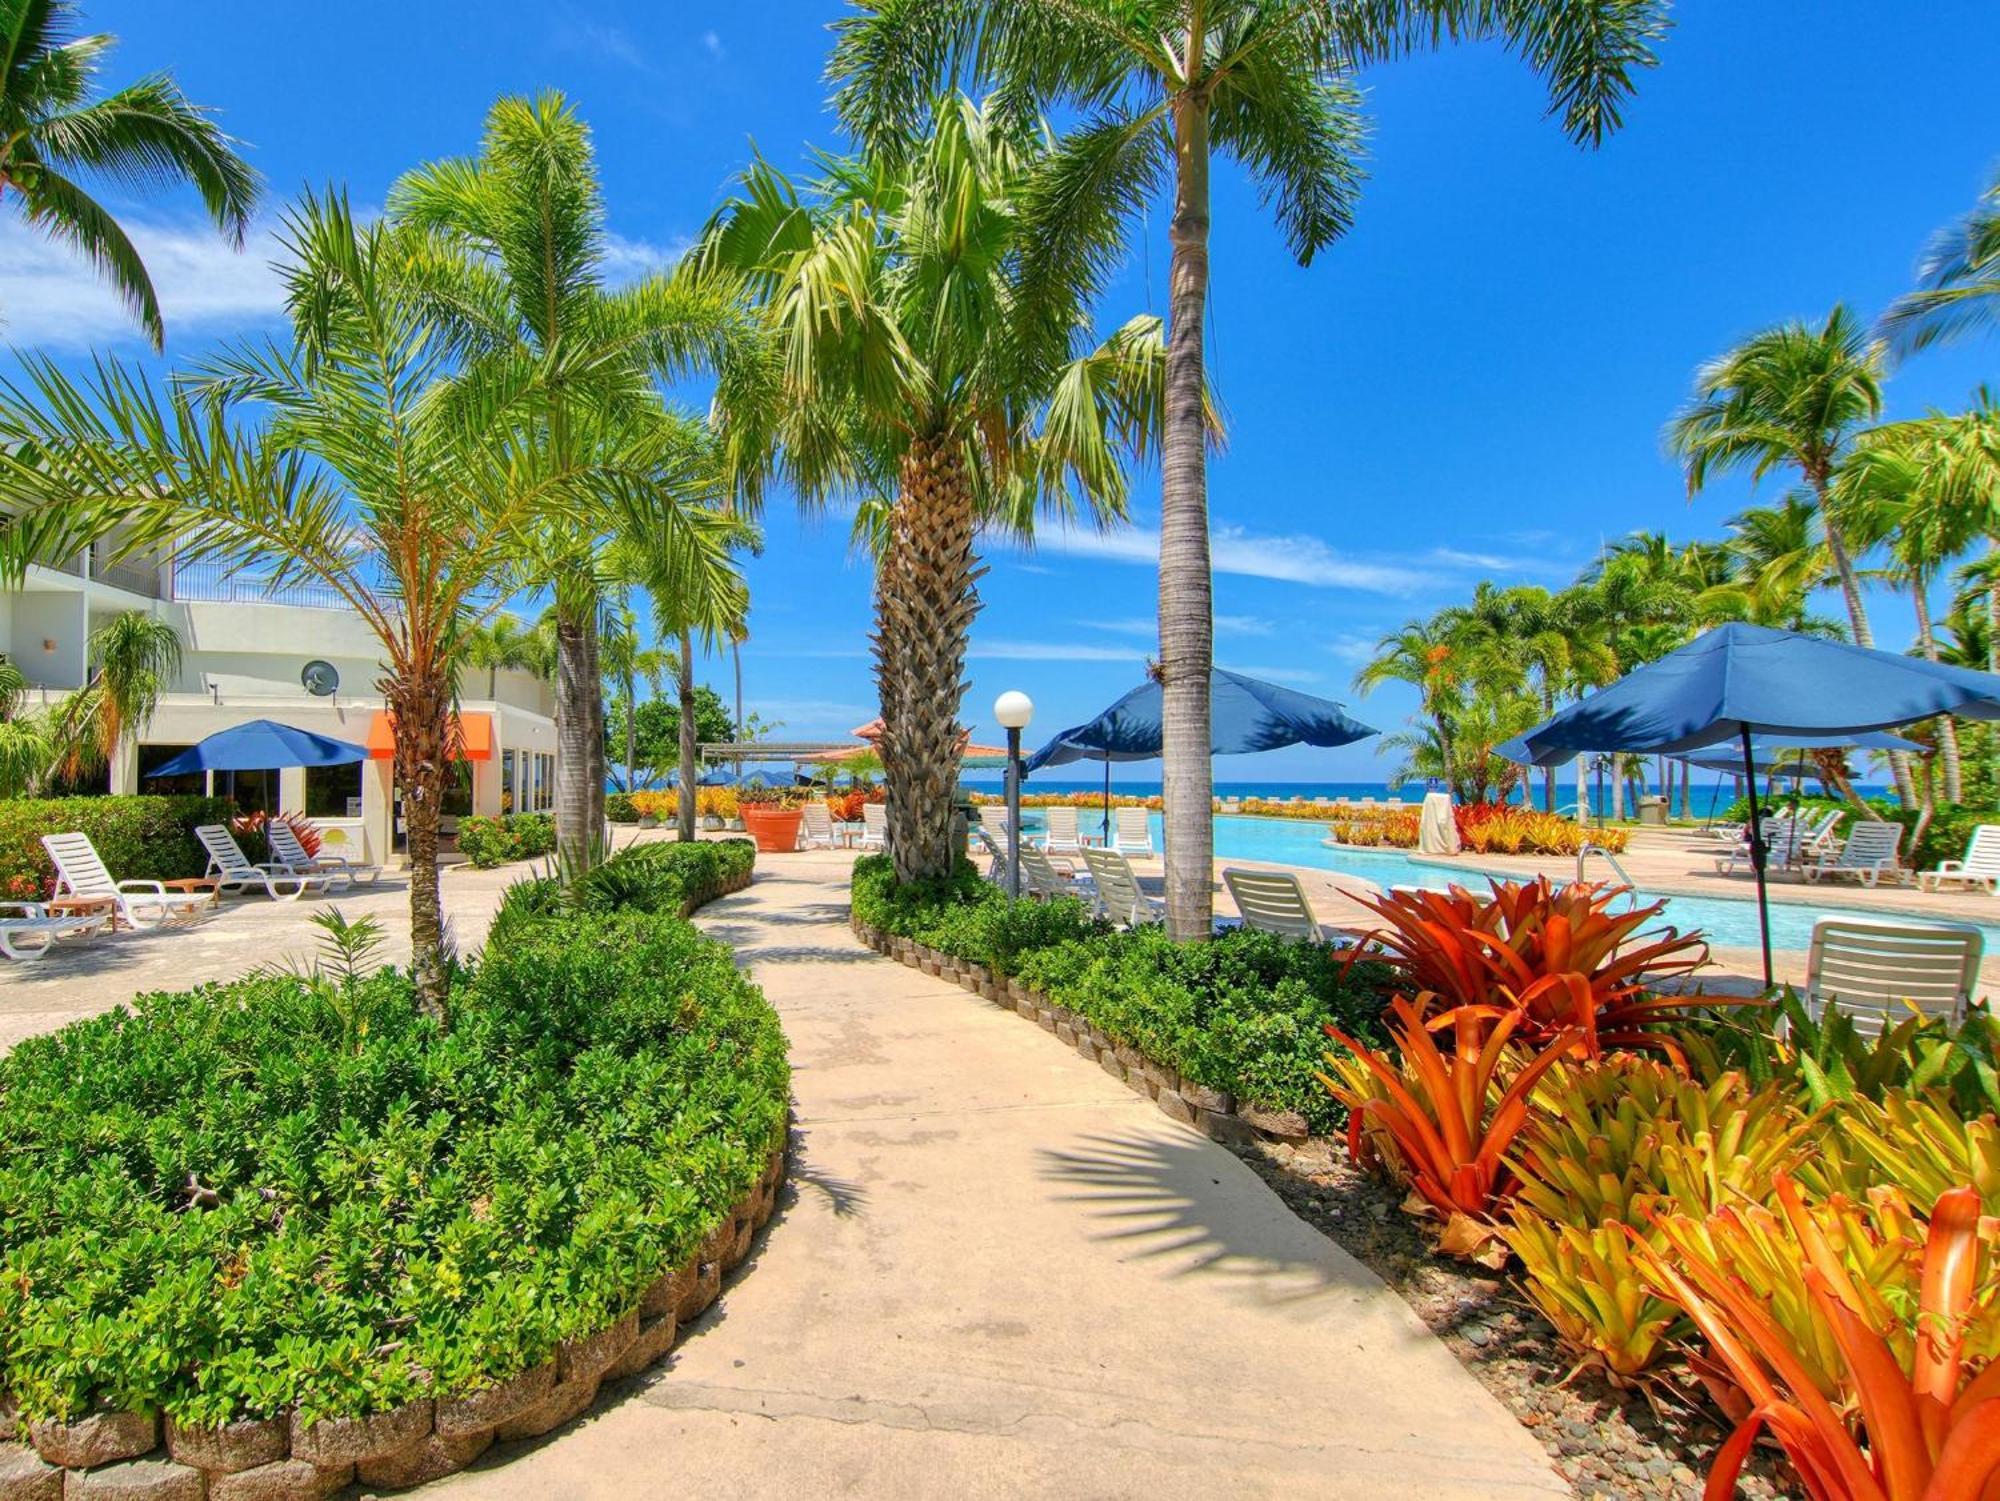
421,706
631,735
1187,621
1857,616
684,808
1947,727
924,605
576,690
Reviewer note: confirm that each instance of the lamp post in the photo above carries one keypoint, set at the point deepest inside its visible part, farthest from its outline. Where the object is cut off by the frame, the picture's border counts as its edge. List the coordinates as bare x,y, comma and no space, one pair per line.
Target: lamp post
1014,709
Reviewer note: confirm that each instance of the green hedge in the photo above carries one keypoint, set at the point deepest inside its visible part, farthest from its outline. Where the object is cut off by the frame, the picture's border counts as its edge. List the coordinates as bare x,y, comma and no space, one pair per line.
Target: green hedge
297,1192
656,877
1243,1013
140,838
619,807
487,841
1945,839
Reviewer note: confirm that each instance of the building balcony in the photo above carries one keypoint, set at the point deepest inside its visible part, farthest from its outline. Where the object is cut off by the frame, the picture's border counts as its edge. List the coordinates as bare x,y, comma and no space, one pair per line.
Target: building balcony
213,583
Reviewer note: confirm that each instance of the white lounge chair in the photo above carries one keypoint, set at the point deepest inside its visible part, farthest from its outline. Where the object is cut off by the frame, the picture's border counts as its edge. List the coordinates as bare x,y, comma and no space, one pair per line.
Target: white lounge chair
1042,877
1868,855
874,826
1062,836
1980,865
816,826
142,904
1877,973
1272,902
1784,844
1131,832
996,857
288,852
234,872
1119,897
994,820
34,933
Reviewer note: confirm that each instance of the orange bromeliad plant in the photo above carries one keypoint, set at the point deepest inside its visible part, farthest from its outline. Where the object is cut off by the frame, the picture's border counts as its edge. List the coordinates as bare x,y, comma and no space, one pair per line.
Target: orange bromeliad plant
1557,958
1909,1350
1450,1135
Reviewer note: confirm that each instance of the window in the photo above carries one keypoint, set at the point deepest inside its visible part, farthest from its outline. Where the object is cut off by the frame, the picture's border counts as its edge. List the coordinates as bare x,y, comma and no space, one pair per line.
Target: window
328,789
150,756
509,791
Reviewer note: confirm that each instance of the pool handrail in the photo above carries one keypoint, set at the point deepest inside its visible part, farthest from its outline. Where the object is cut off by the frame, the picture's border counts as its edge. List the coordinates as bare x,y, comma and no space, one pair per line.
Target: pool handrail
1583,857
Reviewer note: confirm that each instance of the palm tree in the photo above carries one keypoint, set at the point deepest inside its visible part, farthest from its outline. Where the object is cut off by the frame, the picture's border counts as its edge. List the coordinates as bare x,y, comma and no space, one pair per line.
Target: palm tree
1791,396
328,457
1958,283
1424,654
135,658
515,273
909,353
1778,557
1161,87
146,135
505,644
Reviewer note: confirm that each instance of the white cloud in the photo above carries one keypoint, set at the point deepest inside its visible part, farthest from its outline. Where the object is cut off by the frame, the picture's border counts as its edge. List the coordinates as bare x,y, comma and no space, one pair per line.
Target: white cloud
812,718
713,43
1351,647
607,42
1275,674
1146,625
1232,549
1244,625
50,295
628,260
1052,651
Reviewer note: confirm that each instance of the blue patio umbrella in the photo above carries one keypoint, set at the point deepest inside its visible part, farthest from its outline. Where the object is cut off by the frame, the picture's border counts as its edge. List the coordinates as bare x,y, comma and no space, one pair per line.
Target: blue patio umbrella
1741,681
1783,752
1246,715
258,745
710,777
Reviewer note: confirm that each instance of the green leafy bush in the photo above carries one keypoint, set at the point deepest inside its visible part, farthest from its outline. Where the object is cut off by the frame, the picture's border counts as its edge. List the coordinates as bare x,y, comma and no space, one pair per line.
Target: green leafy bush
660,877
293,1190
140,838
487,841
1242,1014
619,807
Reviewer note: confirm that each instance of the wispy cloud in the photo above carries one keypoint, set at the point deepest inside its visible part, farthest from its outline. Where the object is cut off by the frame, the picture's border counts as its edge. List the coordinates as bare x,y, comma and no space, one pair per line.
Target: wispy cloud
1351,646
814,718
51,296
608,43
1295,559
1244,625
1276,674
1053,651
712,44
1146,625
627,260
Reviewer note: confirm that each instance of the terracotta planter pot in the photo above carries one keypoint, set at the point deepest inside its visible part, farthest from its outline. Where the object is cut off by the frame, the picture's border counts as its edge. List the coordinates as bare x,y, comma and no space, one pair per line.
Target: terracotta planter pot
776,830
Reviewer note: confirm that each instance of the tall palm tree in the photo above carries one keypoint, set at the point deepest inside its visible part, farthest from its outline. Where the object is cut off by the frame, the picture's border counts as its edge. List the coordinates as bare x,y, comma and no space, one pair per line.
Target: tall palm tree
515,272
327,456
1161,87
1778,558
1958,283
147,135
909,353
505,644
1791,397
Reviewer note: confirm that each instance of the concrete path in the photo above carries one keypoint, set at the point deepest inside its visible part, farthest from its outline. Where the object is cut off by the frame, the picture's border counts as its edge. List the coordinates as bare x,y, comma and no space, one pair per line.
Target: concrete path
1000,1274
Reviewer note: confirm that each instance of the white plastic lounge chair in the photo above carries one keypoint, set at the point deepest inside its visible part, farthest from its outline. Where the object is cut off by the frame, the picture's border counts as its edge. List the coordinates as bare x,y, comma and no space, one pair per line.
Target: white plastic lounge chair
234,872
816,826
1784,844
1119,896
1131,832
33,933
993,819
1272,902
1062,836
1979,867
1868,855
1042,877
996,857
874,826
288,852
142,904
1877,972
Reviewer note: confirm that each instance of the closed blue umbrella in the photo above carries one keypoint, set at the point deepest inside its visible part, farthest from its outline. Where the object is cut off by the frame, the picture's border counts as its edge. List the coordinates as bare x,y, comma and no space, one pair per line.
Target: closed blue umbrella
1740,681
1246,715
258,745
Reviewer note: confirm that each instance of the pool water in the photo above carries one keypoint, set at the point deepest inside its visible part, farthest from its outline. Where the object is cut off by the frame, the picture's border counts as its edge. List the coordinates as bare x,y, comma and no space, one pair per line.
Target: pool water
1726,922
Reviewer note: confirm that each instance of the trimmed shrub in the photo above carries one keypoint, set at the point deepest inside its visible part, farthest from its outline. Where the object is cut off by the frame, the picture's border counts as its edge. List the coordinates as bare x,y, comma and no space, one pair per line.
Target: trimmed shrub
140,838
619,807
1243,1014
294,1191
486,841
661,877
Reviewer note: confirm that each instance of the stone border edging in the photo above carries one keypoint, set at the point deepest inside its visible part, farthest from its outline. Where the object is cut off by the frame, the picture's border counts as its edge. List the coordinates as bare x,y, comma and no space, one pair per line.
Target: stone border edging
1215,1113
134,1456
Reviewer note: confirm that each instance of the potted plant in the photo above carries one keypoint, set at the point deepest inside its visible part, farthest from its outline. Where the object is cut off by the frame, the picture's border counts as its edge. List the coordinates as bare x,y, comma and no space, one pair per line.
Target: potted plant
772,818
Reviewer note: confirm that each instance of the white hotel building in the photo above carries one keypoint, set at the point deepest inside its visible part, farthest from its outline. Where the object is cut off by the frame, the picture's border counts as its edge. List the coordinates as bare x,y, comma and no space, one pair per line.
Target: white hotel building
300,657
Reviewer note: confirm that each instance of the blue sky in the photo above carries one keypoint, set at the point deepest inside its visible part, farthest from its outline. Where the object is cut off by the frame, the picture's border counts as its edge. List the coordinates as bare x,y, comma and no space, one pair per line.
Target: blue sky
1471,385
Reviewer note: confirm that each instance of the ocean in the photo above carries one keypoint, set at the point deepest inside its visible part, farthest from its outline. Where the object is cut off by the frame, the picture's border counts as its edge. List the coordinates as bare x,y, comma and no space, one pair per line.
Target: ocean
1711,795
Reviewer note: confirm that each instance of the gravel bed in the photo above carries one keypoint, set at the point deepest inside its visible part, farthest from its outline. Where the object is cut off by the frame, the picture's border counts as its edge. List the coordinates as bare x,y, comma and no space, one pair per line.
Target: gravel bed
1610,1445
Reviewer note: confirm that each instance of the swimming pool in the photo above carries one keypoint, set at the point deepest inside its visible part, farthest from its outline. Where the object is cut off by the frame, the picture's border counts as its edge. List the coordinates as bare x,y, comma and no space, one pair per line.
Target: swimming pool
1726,922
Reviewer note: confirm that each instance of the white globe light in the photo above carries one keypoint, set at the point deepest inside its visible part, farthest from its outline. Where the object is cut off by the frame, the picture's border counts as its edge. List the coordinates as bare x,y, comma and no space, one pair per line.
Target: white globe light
1014,709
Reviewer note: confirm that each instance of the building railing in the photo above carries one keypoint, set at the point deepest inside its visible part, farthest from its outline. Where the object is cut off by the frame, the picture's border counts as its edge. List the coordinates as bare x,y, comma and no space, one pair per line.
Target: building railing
214,583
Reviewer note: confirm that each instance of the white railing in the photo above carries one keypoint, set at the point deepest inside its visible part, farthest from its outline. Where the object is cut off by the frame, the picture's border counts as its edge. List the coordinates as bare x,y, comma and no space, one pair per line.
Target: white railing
1584,855
214,583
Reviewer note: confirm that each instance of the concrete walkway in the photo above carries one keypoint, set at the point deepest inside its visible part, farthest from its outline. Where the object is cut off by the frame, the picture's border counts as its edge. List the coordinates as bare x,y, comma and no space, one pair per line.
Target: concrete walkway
999,1274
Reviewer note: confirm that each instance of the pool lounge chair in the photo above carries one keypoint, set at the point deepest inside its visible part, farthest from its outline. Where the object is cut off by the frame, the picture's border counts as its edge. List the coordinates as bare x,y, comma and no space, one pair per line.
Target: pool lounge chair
33,934
1119,897
1784,846
1272,902
1042,877
1062,836
1131,832
816,826
233,871
874,826
1868,855
288,852
1880,973
142,904
1980,865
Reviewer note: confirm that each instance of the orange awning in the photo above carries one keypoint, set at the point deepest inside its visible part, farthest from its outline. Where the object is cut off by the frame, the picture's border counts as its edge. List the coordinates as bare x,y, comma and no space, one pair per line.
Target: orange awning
471,736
